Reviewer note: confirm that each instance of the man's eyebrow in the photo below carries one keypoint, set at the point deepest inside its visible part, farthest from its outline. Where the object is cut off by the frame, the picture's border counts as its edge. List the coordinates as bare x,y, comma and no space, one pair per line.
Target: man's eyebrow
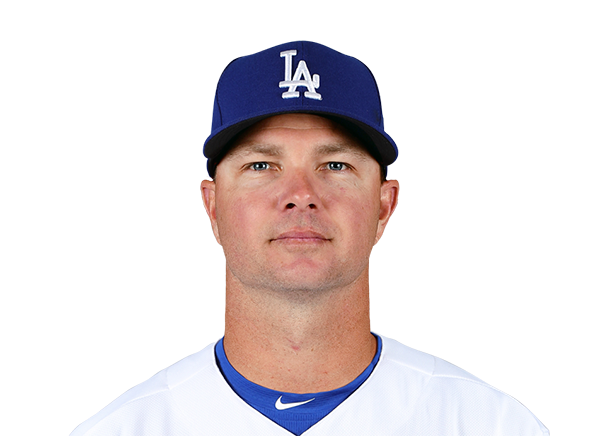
272,150
247,149
329,149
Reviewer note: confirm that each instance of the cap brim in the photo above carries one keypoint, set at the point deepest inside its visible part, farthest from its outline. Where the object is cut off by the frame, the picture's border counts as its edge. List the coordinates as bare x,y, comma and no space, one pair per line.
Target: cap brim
379,143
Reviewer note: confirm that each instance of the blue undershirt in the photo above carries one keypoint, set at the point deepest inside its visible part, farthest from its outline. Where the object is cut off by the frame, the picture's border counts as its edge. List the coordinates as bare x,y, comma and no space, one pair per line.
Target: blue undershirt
297,418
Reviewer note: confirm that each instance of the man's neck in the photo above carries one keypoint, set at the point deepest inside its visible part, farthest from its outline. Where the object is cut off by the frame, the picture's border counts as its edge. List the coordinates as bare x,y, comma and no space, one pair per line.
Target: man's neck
299,343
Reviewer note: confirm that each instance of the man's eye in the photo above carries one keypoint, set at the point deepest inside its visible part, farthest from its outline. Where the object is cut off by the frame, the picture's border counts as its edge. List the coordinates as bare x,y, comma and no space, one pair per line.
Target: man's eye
336,166
260,166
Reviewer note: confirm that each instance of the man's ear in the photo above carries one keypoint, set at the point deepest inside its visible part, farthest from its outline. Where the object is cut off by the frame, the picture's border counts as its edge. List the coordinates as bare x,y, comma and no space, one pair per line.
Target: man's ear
388,202
208,198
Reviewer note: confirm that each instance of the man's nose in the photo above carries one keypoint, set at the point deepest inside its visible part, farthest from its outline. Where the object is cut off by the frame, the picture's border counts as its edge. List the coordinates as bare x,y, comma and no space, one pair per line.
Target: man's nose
300,191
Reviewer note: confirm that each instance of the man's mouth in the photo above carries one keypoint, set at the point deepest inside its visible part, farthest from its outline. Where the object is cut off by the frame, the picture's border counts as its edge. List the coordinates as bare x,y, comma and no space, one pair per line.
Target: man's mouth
300,236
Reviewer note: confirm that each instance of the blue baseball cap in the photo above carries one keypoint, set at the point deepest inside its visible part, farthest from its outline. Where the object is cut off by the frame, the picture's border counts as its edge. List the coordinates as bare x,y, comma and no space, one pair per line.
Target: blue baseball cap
298,77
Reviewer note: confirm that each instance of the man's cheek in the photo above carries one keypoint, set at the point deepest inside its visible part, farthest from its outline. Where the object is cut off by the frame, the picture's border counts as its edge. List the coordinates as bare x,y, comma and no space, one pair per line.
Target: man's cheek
238,222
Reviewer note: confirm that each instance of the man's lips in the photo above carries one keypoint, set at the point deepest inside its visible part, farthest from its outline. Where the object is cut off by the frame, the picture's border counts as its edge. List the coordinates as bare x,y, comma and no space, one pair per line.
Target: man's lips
300,236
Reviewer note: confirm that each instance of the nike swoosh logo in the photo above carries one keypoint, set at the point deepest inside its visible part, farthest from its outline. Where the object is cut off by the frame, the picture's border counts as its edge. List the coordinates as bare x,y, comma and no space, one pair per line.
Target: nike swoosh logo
281,406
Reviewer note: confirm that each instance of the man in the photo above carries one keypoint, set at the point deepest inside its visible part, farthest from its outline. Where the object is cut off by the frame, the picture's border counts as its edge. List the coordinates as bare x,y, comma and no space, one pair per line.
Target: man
298,157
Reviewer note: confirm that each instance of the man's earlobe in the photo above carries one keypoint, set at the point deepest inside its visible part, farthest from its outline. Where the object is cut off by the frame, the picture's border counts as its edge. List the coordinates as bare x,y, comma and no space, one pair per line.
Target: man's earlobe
389,198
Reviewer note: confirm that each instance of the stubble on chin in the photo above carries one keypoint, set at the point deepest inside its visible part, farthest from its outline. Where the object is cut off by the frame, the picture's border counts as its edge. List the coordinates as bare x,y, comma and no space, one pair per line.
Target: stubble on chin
298,280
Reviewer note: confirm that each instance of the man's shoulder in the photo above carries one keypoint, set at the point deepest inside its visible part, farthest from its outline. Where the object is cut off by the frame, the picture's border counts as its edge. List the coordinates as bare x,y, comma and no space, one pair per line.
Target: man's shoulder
432,385
426,364
152,393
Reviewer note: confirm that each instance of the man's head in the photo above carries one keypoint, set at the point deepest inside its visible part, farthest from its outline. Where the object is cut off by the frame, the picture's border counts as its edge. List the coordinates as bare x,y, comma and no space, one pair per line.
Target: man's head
299,197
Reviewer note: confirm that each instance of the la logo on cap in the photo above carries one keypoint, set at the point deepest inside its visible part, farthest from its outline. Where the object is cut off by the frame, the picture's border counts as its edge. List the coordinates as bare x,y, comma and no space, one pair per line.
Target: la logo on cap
301,71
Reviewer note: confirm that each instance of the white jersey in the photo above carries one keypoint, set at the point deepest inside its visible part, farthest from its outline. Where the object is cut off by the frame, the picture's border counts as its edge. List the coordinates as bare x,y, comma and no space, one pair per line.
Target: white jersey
409,393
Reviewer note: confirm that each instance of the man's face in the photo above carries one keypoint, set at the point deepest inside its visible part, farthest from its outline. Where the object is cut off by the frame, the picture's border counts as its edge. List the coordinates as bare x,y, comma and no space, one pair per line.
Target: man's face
297,204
